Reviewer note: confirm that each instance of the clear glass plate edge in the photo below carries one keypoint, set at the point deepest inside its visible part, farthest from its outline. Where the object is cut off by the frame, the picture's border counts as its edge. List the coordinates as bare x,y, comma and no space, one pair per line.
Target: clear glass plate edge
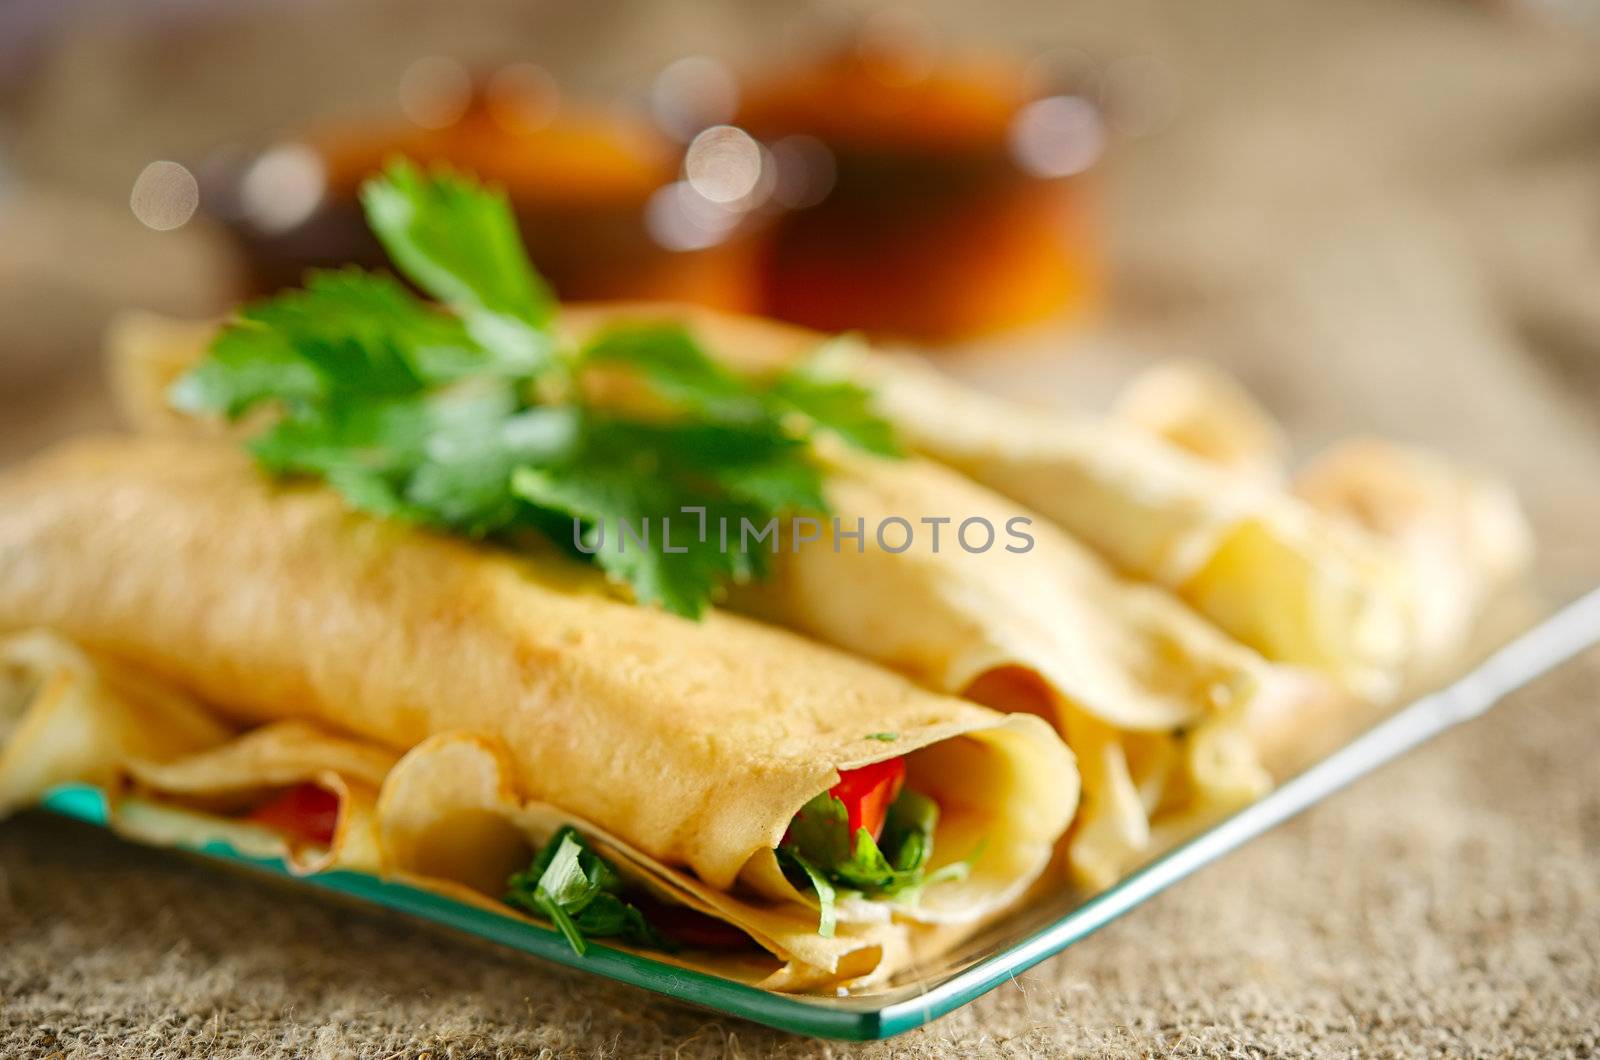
1548,644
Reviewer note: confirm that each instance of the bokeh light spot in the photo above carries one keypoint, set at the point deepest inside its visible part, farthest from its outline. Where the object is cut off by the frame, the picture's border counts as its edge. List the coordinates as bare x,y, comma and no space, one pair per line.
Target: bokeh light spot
522,98
680,218
723,164
1057,136
691,94
164,196
435,92
283,187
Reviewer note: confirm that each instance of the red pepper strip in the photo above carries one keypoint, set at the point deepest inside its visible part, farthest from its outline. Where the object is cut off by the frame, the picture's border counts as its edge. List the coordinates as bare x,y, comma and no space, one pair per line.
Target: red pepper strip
691,928
867,793
305,811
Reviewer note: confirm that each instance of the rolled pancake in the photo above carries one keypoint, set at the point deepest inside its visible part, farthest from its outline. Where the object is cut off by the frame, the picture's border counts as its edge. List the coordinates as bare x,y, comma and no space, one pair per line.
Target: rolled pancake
1050,631
1269,570
694,743
65,717
1462,537
1456,539
173,776
1202,410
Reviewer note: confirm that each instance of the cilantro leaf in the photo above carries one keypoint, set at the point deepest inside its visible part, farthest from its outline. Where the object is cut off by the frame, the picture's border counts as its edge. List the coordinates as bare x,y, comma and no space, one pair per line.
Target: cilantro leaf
670,361
475,443
247,364
630,483
459,243
827,897
674,364
621,514
820,832
581,894
365,333
836,405
378,434
470,417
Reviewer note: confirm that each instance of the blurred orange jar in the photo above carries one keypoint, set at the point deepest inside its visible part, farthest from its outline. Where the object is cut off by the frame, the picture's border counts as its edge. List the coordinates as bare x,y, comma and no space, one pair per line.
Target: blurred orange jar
959,204
583,185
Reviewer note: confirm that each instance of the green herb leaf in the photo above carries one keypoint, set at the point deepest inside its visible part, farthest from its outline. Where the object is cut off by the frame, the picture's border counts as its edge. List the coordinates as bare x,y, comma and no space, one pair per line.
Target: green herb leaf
820,832
836,405
247,365
467,417
827,898
885,737
629,484
581,894
669,360
460,244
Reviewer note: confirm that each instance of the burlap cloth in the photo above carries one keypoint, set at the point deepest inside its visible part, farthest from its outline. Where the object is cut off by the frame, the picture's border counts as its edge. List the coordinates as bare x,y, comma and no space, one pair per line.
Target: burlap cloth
1385,216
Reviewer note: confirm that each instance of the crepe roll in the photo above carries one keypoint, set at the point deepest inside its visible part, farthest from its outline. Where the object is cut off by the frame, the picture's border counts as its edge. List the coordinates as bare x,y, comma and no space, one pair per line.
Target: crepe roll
972,594
697,744
68,717
1461,536
174,774
1202,410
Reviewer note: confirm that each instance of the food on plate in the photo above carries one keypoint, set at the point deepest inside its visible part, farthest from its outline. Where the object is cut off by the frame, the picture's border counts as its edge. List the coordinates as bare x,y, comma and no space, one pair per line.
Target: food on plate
1174,720
1203,410
1005,609
693,743
760,652
1463,539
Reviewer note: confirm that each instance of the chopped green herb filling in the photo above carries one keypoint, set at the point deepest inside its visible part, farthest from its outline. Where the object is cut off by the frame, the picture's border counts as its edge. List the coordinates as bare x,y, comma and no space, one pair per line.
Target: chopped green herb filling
581,894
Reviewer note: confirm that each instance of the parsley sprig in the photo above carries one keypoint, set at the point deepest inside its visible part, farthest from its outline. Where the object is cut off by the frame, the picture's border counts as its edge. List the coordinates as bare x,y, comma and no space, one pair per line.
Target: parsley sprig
469,414
819,851
581,894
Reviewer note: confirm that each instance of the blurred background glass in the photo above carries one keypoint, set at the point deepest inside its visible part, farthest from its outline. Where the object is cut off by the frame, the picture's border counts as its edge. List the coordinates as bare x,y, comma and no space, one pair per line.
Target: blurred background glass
1374,211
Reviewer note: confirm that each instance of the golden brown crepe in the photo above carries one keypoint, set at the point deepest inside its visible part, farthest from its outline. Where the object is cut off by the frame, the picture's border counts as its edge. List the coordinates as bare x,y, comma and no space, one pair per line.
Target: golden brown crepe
1461,535
1455,540
1202,410
1271,571
1049,631
449,818
67,717
694,743
1180,488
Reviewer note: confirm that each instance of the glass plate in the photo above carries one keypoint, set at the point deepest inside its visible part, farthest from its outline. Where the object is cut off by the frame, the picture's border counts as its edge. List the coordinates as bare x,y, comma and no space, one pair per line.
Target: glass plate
1010,946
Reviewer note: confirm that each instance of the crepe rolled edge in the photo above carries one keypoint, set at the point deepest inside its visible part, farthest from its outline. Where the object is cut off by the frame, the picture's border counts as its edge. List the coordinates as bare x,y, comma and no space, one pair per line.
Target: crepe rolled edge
187,783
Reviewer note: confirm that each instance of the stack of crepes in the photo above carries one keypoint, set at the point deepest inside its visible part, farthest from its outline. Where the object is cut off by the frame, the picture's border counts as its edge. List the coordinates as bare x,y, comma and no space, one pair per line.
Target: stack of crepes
224,649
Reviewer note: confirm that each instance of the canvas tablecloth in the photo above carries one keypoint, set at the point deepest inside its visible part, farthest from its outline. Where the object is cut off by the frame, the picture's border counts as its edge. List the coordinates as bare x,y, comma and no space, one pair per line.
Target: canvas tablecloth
1384,216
